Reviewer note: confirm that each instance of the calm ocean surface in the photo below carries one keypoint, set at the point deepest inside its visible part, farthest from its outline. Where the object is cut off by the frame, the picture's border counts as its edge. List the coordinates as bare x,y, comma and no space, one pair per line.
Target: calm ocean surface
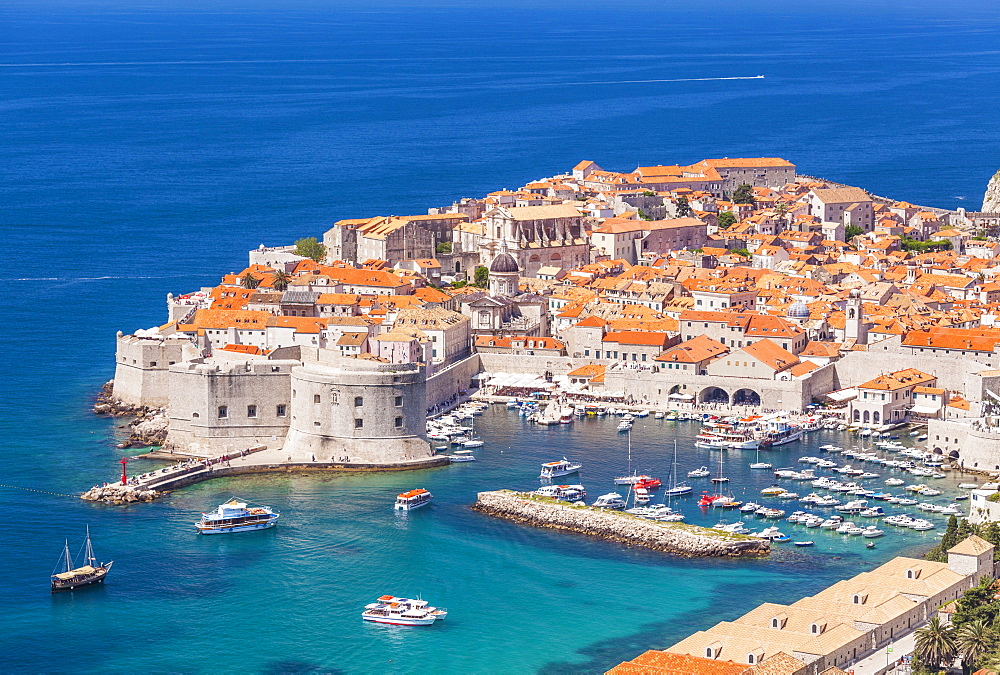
144,148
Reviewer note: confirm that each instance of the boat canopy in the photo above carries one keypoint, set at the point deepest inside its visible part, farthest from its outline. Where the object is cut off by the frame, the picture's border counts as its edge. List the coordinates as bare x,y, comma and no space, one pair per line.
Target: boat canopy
86,569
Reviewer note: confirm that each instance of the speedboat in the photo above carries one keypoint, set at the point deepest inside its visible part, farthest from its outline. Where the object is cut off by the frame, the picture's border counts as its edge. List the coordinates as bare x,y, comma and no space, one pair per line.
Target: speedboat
832,523
968,486
612,500
750,507
871,532
761,465
699,473
921,525
561,468
872,512
772,534
773,490
732,528
803,543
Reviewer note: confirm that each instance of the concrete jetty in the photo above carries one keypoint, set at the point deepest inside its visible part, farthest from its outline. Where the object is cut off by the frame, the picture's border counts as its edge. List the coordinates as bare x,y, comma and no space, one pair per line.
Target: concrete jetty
260,459
675,538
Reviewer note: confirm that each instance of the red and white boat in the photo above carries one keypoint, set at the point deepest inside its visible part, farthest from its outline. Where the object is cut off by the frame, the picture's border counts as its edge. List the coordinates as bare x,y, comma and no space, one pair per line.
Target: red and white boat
413,499
647,482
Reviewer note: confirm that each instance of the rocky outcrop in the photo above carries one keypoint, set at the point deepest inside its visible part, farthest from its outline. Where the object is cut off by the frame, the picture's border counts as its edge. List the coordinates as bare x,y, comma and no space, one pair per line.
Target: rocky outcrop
676,538
147,430
119,494
991,200
107,404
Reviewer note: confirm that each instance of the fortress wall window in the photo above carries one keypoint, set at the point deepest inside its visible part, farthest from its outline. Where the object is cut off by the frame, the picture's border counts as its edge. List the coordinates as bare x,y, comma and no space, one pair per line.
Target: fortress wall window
399,422
316,398
251,411
282,410
399,401
223,412
359,424
359,401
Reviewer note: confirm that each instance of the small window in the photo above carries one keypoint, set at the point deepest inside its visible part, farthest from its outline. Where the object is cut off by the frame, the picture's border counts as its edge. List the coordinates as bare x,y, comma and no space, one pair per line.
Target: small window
251,411
316,398
359,423
708,652
750,659
195,415
223,412
399,401
399,422
315,424
359,401
152,364
282,410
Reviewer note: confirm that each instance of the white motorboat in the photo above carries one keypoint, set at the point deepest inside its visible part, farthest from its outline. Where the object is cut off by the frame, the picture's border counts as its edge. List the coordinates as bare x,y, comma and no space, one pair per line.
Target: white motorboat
561,468
732,528
921,525
897,481
462,456
771,534
750,507
612,500
703,472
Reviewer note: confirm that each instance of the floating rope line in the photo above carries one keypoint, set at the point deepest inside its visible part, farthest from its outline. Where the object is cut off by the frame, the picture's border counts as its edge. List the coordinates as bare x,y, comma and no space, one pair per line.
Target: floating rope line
44,492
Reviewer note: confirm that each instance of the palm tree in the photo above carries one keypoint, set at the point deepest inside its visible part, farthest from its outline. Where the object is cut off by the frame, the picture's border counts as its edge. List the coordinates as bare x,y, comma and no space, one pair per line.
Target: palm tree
250,281
972,641
935,644
280,279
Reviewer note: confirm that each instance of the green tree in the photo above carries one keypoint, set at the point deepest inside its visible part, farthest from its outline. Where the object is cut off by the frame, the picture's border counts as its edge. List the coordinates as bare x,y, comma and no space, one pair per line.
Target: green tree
684,209
726,220
309,247
977,604
935,644
781,208
648,193
852,231
280,280
481,277
644,215
443,247
744,195
250,281
972,641
461,283
740,251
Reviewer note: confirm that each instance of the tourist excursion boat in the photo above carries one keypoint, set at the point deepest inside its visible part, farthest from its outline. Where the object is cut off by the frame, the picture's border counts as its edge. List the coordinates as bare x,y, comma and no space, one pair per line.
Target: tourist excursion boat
561,468
402,612
235,516
413,499
391,601
87,574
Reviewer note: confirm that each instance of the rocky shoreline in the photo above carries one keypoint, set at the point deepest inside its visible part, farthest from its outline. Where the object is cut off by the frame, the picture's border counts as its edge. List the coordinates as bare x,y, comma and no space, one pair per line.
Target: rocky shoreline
119,494
675,538
147,429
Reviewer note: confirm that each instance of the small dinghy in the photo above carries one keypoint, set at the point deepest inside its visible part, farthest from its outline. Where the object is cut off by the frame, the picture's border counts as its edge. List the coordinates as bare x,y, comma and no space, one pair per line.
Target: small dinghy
870,544
804,543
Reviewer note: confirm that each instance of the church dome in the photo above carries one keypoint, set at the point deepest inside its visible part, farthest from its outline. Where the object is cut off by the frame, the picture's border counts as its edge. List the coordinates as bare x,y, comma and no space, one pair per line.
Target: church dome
504,263
798,311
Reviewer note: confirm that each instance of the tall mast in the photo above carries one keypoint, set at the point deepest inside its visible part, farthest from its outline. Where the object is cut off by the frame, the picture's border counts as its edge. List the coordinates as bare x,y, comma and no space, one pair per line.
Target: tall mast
629,434
90,550
66,553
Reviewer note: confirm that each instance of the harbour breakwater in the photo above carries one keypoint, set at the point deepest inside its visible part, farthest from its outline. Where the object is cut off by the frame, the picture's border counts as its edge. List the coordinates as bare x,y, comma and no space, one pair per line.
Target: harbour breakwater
148,486
675,538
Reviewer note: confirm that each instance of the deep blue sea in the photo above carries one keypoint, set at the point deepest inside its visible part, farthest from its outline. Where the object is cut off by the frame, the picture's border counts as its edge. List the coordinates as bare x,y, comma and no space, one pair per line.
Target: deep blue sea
144,147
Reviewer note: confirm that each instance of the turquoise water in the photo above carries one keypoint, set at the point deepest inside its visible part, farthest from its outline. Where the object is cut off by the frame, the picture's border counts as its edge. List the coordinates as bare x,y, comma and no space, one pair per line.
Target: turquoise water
145,148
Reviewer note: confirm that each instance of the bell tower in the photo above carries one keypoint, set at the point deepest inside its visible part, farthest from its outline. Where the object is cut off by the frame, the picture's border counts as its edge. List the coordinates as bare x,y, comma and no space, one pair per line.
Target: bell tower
854,326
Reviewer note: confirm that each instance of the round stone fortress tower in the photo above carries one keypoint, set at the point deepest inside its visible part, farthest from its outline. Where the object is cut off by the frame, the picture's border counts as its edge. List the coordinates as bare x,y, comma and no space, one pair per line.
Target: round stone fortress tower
357,411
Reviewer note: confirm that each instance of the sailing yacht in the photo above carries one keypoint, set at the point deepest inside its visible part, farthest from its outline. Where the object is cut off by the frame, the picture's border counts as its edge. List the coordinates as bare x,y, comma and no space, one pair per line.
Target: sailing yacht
473,441
677,489
719,478
630,478
87,574
759,464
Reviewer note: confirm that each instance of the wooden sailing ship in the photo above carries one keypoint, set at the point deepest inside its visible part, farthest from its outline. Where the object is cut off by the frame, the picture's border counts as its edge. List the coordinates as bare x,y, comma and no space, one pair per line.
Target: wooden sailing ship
87,574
